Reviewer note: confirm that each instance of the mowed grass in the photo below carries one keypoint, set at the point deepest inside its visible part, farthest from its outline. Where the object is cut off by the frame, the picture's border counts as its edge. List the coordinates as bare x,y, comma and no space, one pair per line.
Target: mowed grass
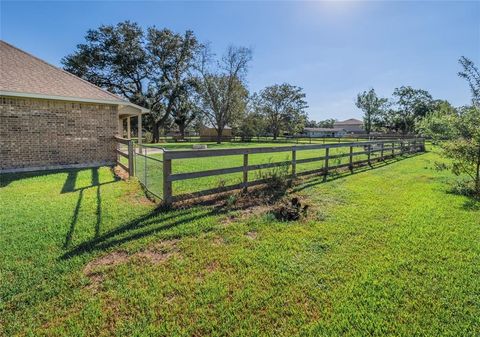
387,251
154,176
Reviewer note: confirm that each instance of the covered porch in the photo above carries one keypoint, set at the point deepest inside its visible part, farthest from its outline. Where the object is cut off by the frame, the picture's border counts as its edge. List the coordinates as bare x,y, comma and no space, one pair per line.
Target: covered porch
125,116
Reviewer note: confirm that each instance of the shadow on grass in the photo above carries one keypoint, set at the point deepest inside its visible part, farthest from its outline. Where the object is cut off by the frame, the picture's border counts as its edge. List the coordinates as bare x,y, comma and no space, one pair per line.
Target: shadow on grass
158,220
8,178
472,204
69,187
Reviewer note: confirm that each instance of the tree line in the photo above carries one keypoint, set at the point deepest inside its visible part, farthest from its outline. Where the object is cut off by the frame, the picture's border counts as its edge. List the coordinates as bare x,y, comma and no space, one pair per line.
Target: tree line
399,114
455,129
183,83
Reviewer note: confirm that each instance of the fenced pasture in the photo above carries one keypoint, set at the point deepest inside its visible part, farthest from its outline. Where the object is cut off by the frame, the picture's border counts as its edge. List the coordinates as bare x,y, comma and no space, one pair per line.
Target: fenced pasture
179,174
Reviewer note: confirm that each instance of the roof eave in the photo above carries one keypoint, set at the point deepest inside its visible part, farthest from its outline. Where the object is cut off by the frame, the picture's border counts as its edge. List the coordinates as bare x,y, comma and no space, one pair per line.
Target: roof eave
72,99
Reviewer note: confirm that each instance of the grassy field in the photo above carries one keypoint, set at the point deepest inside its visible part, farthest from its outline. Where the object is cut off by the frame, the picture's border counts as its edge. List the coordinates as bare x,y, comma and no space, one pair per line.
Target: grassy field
153,174
387,251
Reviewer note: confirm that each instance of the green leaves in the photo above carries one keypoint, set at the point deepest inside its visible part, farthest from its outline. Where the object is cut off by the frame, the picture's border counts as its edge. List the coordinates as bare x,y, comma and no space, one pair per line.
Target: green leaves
283,106
372,106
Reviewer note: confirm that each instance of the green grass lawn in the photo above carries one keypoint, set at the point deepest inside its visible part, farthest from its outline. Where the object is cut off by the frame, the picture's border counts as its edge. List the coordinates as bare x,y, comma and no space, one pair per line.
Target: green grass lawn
386,251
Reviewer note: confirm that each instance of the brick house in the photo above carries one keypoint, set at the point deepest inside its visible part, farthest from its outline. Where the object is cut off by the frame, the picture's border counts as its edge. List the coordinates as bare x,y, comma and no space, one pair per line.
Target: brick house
51,119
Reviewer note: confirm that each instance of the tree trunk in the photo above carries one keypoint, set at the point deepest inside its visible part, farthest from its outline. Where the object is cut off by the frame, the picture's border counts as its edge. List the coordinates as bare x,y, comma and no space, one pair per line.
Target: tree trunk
368,126
181,127
275,134
219,135
155,132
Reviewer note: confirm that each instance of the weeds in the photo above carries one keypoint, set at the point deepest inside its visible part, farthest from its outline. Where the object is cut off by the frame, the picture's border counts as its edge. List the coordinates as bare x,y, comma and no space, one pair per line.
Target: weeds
291,210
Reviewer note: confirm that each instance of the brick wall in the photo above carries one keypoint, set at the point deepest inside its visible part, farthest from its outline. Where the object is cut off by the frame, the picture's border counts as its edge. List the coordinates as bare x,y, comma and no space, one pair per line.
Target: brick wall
37,133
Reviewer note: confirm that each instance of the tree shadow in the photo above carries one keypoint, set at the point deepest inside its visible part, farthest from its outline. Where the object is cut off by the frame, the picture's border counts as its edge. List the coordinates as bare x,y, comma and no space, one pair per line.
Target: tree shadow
8,178
472,204
73,222
158,220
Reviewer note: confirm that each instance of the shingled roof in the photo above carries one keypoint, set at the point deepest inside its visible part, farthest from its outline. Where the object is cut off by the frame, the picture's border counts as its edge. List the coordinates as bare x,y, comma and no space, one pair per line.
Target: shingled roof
24,74
349,122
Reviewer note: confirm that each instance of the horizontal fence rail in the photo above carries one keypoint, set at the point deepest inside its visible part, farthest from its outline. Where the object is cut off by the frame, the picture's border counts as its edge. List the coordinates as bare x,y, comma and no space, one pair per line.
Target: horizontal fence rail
383,148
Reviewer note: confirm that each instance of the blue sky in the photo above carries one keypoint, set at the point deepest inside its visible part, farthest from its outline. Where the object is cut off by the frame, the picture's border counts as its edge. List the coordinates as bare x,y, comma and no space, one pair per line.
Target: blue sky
332,49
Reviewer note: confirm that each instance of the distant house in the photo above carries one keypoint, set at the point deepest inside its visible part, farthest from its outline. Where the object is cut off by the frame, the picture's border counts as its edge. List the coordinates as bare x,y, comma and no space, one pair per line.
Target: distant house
324,132
208,134
51,119
351,125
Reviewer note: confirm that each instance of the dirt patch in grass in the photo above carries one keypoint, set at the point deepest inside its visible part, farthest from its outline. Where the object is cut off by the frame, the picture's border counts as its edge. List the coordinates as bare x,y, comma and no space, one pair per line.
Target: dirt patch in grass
108,260
212,266
251,235
155,254
159,252
218,241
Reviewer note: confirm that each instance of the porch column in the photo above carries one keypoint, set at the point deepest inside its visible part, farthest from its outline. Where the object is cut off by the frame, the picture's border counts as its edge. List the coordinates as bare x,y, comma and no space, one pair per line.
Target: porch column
139,125
128,128
120,127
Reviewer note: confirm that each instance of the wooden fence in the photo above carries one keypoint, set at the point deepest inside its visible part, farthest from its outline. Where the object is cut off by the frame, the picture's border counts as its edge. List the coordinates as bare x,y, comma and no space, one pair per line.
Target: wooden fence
386,149
129,167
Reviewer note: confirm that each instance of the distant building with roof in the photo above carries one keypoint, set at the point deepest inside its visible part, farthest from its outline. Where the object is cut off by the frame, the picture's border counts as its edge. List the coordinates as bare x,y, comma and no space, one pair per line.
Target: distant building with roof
351,125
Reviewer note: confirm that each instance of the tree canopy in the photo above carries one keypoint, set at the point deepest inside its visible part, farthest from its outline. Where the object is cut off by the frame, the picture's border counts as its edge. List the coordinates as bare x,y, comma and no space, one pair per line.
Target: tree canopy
372,107
148,68
283,107
409,106
222,92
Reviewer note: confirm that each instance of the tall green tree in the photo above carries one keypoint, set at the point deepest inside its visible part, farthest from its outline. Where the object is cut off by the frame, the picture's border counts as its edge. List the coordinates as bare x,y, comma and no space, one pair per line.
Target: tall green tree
410,106
148,68
372,107
283,107
221,88
185,111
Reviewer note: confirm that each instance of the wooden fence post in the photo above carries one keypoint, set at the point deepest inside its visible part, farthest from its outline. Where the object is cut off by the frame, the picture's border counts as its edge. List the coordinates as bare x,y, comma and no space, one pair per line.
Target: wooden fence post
131,169
167,184
350,163
325,169
294,162
369,154
245,172
381,153
393,149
